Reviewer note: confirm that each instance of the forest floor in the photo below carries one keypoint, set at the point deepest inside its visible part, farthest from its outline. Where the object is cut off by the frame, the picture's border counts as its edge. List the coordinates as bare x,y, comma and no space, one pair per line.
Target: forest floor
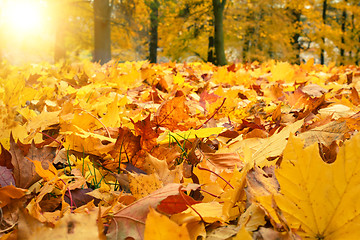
179,151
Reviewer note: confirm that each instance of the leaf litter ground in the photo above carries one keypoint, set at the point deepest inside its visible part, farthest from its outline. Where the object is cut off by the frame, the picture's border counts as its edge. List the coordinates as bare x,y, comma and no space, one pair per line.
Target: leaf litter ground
181,151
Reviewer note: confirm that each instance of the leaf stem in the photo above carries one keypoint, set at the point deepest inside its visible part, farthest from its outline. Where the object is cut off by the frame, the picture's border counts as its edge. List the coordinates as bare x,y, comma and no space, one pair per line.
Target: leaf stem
188,204
106,129
201,168
216,110
51,138
211,194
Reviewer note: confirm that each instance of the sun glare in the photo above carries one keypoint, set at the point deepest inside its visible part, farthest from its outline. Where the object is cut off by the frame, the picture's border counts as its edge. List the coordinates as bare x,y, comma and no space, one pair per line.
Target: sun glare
22,16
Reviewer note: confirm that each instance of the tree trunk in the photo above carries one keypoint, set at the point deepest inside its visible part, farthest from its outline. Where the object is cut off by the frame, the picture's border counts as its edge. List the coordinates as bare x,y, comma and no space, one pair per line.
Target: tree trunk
322,51
102,31
296,14
154,25
218,9
343,30
210,57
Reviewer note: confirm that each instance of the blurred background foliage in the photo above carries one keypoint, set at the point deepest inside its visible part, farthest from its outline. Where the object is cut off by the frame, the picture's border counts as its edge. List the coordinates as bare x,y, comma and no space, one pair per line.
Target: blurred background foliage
183,30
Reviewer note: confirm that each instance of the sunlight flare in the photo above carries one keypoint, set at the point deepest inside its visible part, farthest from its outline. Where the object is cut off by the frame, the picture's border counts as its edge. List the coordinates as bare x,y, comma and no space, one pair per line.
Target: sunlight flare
23,16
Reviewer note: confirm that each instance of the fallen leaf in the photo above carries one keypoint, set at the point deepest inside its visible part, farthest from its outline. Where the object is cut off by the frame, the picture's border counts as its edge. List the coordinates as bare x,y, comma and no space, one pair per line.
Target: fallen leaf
9,193
314,90
158,227
252,218
5,158
337,111
24,170
320,198
243,234
169,137
71,226
145,130
126,146
325,134
224,160
142,185
130,221
210,212
172,113
6,177
175,204
264,148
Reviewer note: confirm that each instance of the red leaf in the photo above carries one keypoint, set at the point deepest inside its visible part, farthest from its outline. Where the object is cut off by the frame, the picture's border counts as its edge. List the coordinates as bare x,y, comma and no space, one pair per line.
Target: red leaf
5,158
175,204
129,222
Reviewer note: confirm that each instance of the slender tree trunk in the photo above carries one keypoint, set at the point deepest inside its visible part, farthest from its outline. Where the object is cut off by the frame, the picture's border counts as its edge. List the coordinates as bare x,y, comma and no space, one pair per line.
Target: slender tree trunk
343,31
218,9
322,51
154,25
296,14
102,28
210,57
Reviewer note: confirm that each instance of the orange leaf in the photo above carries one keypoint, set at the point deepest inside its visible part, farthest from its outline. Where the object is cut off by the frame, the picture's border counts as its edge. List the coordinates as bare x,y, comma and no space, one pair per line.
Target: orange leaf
8,193
146,132
171,113
126,146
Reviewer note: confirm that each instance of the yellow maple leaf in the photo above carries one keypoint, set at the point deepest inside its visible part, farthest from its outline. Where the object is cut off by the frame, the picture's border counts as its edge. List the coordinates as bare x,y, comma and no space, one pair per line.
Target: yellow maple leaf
169,137
262,148
282,71
210,212
243,234
158,226
320,199
142,185
46,174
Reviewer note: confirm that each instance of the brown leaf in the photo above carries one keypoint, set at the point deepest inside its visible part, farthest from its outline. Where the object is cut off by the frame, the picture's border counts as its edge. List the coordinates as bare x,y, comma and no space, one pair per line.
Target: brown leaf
354,97
328,153
129,222
6,177
126,146
5,158
79,197
314,90
24,170
261,183
145,130
224,160
325,134
49,204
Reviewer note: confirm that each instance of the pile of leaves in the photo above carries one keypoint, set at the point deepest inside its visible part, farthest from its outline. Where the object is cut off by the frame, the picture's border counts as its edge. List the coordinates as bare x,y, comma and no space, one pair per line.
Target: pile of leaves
179,151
